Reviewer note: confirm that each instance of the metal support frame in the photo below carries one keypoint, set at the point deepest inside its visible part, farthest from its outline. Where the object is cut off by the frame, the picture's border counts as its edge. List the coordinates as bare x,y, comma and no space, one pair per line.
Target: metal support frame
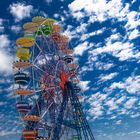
83,130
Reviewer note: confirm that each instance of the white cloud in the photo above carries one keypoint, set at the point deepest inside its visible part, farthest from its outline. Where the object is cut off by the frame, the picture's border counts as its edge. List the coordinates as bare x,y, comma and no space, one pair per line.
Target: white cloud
122,50
20,10
99,9
96,109
121,99
117,85
133,1
2,28
15,28
49,1
134,133
96,112
1,21
114,37
75,32
81,48
98,96
6,132
5,62
94,63
135,115
6,59
133,34
2,25
101,104
119,122
108,76
97,32
81,28
131,85
4,41
56,15
132,20
70,32
78,15
3,103
96,102
103,66
84,85
111,104
130,103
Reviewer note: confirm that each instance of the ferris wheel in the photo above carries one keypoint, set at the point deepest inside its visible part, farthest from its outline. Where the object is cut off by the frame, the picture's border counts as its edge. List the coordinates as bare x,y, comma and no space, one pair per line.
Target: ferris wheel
46,81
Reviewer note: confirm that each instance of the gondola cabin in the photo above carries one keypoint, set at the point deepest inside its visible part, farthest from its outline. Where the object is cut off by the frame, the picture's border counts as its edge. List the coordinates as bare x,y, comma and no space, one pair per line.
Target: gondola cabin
21,78
23,107
23,53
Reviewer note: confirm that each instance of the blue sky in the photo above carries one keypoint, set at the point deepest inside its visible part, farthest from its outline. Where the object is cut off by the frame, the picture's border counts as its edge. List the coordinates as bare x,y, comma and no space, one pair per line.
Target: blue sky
105,35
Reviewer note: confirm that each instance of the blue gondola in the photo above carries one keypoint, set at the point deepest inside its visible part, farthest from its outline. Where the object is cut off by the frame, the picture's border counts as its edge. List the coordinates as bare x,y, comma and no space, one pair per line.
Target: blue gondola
21,78
68,59
23,107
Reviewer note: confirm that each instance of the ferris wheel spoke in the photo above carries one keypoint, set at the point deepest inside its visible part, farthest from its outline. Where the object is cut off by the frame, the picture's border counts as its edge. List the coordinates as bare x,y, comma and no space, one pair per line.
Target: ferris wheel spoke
46,111
45,57
48,43
35,66
36,58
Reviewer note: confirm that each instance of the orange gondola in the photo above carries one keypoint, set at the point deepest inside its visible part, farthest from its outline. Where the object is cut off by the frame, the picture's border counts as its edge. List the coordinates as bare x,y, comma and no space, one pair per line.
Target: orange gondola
57,28
68,51
30,26
24,91
31,118
38,19
22,64
73,65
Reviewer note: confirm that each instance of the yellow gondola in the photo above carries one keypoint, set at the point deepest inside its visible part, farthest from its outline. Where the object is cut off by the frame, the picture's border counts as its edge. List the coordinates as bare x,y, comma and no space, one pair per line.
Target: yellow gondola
30,26
25,41
23,53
